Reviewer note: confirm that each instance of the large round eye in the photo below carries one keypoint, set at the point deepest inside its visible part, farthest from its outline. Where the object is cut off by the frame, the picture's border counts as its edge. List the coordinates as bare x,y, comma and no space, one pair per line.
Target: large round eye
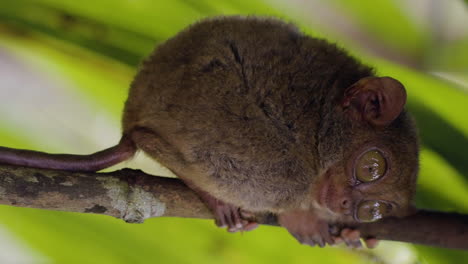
370,166
370,211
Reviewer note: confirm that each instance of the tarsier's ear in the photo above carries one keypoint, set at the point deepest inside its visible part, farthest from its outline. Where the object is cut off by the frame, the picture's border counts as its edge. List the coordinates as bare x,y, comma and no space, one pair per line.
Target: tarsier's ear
376,100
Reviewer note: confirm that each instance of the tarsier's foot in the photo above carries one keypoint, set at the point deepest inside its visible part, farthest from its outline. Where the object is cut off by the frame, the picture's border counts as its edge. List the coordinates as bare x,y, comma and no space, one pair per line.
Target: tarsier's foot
228,216
233,218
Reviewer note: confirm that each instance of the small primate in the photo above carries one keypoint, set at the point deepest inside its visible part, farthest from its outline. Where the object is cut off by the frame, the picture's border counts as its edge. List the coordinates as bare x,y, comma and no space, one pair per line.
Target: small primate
255,116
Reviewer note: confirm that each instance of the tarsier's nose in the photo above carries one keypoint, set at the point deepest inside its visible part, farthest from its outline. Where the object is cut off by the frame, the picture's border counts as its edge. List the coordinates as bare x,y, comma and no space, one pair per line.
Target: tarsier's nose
345,203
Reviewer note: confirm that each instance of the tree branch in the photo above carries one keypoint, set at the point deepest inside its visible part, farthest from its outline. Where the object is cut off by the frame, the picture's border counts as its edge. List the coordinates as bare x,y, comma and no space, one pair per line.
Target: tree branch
135,196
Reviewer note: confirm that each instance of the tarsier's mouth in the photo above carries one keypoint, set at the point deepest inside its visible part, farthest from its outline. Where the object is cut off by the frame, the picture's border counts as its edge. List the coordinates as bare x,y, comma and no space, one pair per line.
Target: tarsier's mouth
323,193
323,197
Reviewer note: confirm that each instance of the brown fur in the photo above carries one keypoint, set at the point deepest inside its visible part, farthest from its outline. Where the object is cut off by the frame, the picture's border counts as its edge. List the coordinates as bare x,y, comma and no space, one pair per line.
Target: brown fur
246,109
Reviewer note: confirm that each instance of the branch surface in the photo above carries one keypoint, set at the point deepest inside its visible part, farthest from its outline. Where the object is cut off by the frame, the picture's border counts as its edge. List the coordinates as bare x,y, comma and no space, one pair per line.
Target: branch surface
134,196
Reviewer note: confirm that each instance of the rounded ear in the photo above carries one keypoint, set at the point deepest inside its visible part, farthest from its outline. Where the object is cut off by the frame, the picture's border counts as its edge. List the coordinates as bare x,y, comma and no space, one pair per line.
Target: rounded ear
377,100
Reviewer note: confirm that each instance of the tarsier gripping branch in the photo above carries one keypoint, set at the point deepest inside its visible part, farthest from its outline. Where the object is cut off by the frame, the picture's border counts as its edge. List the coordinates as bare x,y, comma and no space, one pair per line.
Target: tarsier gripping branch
257,117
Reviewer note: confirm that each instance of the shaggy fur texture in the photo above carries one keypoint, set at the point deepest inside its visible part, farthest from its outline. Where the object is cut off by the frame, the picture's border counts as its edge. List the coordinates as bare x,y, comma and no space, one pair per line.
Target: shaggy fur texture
246,109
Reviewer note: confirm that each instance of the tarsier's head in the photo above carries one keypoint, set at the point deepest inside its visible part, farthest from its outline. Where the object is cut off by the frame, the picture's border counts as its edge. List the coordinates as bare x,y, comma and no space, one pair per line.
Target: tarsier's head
374,175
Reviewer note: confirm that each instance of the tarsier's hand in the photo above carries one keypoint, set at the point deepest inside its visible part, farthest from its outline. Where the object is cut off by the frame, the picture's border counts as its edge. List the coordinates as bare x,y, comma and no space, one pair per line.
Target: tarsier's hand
309,229
351,237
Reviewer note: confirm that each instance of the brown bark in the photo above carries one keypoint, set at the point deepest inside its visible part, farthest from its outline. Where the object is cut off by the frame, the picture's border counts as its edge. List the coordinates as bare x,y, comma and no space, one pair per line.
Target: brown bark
135,196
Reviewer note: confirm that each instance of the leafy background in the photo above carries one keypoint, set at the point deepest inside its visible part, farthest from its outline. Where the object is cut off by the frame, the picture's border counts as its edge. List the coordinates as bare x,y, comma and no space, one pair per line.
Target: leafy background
65,67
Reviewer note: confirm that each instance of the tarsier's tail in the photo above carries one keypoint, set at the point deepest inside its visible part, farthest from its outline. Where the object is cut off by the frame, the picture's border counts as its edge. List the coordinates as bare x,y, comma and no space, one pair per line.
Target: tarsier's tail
92,162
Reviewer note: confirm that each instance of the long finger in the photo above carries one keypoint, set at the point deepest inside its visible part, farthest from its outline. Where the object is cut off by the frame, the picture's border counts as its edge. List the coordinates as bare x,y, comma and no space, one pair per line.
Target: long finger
219,219
249,226
351,238
236,219
371,242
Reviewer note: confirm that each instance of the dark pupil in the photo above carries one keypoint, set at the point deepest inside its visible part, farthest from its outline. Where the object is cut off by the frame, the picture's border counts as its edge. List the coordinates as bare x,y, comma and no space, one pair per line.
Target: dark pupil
371,166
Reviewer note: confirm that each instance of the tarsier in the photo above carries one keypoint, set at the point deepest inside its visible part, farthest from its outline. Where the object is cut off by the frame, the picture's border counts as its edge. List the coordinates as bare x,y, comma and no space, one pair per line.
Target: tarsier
257,117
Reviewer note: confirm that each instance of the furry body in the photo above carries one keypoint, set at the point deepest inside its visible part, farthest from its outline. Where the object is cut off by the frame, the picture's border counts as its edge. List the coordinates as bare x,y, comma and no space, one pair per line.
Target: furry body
239,103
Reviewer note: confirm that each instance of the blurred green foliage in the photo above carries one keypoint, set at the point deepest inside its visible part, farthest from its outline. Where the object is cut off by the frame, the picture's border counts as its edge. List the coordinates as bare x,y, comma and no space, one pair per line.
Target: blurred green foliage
97,45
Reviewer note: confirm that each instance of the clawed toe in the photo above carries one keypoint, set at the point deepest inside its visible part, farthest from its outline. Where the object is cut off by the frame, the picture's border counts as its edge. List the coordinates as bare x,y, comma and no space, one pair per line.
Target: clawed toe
228,216
351,237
